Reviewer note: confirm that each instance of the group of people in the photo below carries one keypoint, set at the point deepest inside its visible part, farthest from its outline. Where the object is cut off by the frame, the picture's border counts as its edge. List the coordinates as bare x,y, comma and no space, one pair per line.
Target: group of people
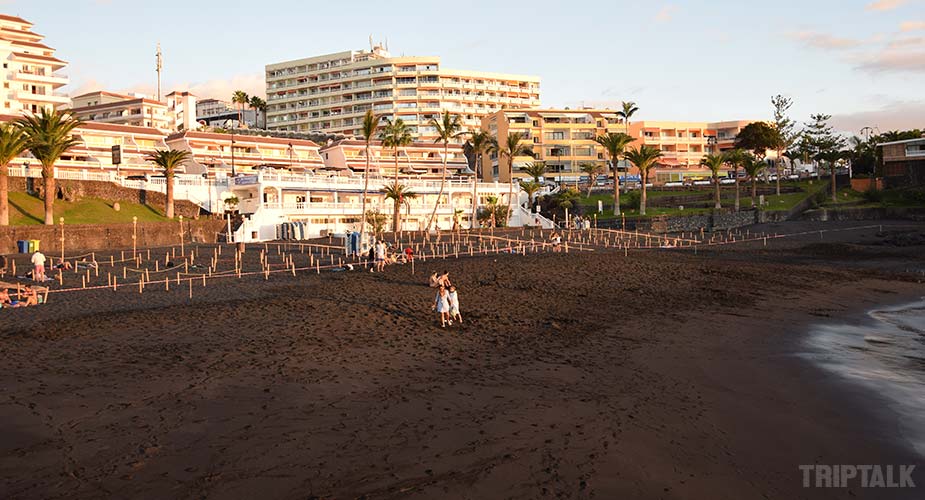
383,252
446,302
28,297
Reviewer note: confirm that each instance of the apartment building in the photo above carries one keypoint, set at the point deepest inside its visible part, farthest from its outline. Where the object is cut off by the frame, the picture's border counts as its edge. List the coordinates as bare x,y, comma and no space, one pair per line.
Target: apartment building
903,162
94,150
231,154
219,113
684,144
331,93
28,78
561,138
137,110
418,160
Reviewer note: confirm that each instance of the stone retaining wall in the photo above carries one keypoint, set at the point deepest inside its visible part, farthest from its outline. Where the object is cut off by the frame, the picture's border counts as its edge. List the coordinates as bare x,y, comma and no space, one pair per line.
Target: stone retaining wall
90,237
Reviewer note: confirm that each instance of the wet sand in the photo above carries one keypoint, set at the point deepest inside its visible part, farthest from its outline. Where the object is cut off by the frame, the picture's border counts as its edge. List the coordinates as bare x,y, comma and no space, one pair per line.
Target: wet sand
660,374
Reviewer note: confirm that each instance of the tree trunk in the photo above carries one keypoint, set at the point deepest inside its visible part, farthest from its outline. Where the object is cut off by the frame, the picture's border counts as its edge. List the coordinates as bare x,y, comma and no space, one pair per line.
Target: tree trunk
716,191
48,175
735,172
363,201
642,197
754,190
616,187
396,220
475,192
510,191
169,181
433,216
4,195
777,169
834,187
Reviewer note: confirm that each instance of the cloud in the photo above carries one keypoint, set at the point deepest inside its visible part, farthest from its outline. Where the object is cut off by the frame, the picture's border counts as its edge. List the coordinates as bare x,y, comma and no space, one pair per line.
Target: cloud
824,41
896,115
896,61
885,5
666,13
222,89
900,43
907,26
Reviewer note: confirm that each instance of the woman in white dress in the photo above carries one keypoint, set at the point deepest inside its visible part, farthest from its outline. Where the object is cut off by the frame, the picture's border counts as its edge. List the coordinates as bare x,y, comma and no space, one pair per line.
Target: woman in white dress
442,306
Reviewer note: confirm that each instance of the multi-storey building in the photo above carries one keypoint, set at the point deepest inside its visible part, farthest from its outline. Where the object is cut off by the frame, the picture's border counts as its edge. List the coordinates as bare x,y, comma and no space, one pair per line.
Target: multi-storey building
226,154
137,110
218,113
561,138
420,159
28,78
903,162
684,144
331,93
94,150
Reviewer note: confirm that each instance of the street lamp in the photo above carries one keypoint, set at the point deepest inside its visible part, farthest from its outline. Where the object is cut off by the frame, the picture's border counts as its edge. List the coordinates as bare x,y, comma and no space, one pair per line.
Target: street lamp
232,127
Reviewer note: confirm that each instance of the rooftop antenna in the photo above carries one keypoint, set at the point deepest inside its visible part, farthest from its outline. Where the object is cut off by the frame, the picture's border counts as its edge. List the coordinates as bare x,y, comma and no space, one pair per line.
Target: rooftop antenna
386,44
160,65
370,42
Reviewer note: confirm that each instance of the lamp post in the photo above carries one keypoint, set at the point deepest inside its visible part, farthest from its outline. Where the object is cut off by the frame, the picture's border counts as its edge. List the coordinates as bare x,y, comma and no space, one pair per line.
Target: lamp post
232,127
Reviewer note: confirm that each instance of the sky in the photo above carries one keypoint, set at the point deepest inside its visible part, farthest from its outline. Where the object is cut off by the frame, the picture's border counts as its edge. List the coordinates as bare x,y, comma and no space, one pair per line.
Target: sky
861,61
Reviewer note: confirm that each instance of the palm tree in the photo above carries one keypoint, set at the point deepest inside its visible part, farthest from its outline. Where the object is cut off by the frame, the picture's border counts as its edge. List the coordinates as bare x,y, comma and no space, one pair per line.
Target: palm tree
644,158
395,134
615,144
736,157
478,143
592,170
491,205
754,166
169,160
12,144
448,127
531,188
512,148
534,169
259,106
399,194
629,109
240,98
715,164
368,128
48,137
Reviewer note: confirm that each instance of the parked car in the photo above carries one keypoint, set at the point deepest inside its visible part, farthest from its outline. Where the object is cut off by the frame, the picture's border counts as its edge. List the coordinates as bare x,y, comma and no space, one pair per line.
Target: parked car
727,181
702,183
674,184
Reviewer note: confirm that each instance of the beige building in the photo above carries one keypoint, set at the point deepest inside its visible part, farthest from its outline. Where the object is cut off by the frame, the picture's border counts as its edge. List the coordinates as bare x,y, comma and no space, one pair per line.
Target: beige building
418,160
684,144
331,93
562,138
28,78
177,112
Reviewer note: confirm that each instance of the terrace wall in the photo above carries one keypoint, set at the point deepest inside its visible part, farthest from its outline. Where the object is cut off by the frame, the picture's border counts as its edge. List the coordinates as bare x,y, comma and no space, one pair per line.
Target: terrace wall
91,237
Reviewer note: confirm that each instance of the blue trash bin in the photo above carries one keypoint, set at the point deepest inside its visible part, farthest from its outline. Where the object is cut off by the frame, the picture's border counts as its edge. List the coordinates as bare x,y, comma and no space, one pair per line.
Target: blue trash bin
22,246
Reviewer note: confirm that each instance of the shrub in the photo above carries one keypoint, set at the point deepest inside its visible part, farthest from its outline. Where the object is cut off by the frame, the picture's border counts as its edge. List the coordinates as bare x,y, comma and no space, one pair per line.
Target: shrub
630,200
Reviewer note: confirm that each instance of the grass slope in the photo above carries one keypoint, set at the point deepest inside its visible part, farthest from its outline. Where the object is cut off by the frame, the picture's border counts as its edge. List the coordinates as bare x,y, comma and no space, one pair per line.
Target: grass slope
26,209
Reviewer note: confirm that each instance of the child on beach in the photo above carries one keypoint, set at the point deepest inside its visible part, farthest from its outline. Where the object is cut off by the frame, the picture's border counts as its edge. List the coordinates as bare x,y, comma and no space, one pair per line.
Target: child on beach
453,297
442,306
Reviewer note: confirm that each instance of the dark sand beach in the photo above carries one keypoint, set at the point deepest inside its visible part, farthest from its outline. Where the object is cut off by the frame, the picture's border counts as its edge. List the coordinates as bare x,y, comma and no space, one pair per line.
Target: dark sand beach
659,374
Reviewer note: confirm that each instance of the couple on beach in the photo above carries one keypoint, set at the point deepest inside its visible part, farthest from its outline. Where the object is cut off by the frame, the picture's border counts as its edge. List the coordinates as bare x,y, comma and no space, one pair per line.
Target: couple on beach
446,303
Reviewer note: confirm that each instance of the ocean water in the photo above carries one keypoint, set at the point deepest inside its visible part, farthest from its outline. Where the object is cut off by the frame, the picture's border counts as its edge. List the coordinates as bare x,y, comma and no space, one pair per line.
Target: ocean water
885,354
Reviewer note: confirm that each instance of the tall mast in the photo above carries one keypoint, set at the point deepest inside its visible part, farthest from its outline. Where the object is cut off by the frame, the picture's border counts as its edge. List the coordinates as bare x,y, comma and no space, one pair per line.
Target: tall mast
160,65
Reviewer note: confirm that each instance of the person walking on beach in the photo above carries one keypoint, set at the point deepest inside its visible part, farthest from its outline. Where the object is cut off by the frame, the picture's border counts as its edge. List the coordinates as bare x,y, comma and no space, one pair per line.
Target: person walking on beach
380,256
38,260
442,306
556,242
453,299
371,258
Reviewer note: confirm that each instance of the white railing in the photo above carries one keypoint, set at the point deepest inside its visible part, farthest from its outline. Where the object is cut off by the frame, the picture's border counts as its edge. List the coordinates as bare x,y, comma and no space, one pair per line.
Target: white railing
310,181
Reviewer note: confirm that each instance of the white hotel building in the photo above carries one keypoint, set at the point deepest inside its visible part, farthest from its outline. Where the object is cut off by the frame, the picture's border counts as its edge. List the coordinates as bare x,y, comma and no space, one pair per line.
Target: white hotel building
331,93
28,79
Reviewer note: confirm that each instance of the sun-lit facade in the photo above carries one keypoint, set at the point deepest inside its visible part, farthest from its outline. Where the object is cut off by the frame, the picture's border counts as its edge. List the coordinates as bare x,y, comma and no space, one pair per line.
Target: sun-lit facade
331,93
419,159
221,154
176,112
29,77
